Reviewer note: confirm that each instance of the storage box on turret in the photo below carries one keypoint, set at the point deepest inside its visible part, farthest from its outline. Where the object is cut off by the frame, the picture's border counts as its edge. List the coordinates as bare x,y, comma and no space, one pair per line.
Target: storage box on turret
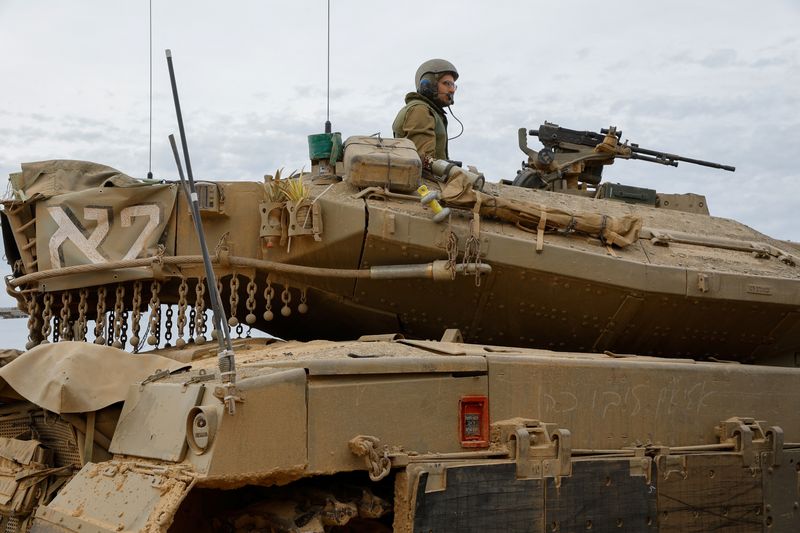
376,162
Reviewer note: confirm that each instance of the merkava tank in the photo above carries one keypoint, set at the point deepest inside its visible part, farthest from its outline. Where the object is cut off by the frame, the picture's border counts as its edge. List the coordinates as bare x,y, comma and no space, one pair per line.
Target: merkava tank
550,353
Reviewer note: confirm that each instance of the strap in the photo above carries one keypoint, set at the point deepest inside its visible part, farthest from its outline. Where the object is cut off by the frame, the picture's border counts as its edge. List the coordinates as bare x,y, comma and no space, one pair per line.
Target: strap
540,231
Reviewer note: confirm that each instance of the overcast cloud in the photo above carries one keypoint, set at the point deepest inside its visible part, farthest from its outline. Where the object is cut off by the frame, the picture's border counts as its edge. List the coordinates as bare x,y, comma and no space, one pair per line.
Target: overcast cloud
713,80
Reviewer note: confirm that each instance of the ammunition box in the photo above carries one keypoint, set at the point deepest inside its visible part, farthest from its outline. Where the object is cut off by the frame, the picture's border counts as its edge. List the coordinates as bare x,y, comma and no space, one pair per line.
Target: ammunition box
376,162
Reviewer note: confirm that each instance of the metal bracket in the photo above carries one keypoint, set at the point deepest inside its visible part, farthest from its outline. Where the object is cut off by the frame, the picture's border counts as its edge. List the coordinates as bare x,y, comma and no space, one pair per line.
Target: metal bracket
641,465
155,376
539,449
748,437
452,335
200,377
271,219
775,440
223,392
305,218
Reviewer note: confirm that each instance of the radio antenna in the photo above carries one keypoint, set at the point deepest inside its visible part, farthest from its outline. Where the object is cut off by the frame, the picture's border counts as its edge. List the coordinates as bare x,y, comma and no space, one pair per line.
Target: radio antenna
328,113
227,366
150,150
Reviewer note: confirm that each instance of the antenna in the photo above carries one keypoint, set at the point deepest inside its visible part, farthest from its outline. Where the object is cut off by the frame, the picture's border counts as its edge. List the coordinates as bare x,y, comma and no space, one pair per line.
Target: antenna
227,365
150,150
325,149
328,113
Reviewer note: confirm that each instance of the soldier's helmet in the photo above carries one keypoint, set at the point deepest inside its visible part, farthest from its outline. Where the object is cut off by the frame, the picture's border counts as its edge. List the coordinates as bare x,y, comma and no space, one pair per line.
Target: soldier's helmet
435,67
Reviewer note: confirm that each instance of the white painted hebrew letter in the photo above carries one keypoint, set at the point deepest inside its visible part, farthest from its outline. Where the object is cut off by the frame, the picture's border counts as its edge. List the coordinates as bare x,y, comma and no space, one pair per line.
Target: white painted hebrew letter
129,213
67,230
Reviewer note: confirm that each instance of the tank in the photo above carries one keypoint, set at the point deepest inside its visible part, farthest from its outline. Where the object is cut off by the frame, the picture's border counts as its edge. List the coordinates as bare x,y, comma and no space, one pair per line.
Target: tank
550,353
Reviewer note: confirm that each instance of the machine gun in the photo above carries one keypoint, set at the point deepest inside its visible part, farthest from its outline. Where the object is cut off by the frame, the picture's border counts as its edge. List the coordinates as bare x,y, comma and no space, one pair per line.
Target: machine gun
572,159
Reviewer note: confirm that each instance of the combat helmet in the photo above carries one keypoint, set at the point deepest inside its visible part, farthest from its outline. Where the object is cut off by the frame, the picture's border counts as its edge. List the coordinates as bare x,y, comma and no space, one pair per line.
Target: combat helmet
434,66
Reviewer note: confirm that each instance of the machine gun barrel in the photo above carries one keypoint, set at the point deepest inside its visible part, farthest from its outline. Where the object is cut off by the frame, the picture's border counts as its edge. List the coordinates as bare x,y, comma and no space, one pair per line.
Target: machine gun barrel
658,160
668,159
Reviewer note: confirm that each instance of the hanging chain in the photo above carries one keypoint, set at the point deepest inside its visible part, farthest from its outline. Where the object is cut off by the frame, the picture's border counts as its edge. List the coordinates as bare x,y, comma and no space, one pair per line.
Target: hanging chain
472,248
110,330
269,294
155,304
250,303
83,309
200,311
234,300
119,306
286,298
137,316
472,254
192,322
66,314
168,327
182,290
30,302
47,315
37,309
123,336
214,332
478,262
157,332
452,253
33,320
56,328
303,307
100,319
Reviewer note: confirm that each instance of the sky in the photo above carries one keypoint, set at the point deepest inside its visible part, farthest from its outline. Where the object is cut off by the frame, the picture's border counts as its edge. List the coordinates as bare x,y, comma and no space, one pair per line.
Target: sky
715,80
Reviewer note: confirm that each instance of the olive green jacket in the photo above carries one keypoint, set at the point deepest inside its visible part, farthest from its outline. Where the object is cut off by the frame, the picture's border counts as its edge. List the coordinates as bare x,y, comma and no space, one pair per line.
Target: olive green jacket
425,123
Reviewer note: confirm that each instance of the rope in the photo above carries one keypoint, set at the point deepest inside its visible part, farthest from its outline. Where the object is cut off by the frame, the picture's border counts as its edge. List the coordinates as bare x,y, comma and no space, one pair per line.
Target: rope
378,465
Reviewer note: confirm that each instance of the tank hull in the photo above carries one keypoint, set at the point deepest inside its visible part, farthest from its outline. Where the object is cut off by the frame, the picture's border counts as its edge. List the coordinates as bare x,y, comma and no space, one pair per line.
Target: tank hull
569,439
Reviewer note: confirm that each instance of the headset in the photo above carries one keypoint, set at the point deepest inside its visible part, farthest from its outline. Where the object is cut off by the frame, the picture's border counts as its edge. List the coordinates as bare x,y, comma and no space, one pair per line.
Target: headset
431,90
428,88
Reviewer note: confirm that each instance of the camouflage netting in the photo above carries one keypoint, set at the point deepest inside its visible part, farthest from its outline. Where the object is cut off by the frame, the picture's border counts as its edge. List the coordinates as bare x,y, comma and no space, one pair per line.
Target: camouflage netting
620,231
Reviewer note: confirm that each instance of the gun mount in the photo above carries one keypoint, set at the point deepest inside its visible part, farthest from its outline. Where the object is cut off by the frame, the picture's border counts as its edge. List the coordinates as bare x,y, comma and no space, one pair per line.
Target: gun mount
574,160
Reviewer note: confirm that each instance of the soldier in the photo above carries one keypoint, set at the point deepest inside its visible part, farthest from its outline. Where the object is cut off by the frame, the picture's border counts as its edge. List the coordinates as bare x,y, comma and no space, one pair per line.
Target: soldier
423,119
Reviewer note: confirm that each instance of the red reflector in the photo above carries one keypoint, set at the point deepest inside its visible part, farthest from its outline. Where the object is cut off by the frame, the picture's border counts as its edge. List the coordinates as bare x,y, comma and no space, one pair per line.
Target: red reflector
474,421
